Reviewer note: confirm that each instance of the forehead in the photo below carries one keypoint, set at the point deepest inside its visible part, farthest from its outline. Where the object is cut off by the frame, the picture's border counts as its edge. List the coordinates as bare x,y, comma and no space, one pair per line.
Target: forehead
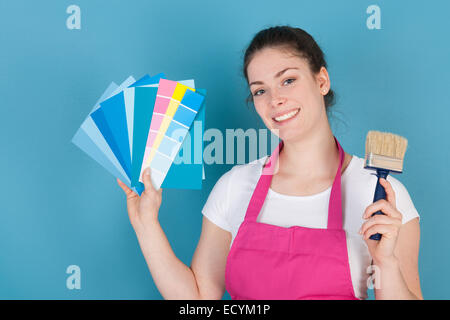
269,61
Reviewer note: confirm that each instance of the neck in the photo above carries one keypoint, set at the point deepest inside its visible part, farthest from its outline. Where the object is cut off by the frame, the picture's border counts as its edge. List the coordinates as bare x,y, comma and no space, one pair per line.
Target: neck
312,156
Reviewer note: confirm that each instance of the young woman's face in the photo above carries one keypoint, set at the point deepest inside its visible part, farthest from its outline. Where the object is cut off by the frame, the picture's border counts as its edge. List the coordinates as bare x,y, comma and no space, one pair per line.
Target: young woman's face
286,95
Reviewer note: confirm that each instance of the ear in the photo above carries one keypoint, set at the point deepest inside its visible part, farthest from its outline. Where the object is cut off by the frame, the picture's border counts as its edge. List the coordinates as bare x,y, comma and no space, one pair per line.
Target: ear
323,81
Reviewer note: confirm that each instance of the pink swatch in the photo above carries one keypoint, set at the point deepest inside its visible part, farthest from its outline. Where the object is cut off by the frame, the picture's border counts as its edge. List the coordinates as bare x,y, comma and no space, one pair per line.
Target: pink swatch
166,89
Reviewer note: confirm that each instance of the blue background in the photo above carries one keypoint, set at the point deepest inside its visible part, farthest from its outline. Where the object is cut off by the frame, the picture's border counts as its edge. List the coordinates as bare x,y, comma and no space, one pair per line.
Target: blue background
58,207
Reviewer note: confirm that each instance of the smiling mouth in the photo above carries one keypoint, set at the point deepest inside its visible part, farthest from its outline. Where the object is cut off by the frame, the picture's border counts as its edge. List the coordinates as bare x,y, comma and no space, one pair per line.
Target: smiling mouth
287,116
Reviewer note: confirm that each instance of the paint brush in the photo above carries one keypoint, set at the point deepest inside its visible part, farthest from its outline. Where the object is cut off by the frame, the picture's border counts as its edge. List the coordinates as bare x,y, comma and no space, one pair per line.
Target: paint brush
384,153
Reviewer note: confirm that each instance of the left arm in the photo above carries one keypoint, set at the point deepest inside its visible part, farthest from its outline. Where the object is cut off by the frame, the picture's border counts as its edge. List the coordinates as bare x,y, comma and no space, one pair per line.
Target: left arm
396,254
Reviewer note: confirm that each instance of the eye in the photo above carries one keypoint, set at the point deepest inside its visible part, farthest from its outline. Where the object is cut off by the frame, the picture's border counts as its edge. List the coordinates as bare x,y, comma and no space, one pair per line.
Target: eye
289,81
258,93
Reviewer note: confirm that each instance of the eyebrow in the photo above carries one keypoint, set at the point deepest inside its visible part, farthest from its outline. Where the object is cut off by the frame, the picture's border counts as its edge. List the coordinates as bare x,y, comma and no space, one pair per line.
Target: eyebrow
279,74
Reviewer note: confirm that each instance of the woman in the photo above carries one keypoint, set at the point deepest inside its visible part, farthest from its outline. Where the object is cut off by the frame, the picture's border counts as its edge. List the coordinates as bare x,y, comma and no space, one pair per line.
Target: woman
301,231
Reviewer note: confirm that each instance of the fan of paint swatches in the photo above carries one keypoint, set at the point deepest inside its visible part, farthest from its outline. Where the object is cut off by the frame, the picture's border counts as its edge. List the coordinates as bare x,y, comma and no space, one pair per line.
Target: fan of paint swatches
178,118
116,131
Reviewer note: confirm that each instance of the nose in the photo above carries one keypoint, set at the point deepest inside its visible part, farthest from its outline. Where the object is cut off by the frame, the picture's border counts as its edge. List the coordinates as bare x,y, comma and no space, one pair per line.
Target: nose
277,99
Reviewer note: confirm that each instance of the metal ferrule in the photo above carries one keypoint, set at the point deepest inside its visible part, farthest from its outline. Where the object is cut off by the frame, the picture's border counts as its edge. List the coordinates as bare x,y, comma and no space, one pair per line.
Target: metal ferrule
376,161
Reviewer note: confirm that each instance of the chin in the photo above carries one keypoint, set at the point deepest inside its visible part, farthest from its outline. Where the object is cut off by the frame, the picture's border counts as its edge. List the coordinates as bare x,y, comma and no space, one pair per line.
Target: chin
286,135
292,135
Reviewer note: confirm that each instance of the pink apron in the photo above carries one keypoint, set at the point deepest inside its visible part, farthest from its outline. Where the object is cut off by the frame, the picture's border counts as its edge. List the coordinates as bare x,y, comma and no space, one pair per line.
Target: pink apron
268,262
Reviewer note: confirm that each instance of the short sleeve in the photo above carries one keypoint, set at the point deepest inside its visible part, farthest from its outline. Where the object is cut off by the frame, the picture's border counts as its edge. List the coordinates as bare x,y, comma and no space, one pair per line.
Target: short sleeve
217,204
403,201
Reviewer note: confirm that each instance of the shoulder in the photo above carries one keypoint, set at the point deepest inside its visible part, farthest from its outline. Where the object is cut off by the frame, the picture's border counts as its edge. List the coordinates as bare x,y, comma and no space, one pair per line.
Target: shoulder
361,183
357,173
236,185
242,175
239,176
232,190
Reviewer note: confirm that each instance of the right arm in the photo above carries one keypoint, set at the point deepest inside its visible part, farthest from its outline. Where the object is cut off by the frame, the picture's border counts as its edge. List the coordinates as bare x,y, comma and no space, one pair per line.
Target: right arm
205,279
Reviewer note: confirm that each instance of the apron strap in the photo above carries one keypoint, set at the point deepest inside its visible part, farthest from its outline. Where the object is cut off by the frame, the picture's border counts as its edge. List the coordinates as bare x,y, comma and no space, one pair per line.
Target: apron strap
335,204
263,185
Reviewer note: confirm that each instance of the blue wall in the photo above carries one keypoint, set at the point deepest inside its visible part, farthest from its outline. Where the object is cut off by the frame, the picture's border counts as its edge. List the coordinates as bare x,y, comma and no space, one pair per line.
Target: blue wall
58,207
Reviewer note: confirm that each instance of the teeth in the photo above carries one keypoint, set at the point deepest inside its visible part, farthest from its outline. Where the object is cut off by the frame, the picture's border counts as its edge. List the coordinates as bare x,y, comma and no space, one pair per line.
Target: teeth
287,115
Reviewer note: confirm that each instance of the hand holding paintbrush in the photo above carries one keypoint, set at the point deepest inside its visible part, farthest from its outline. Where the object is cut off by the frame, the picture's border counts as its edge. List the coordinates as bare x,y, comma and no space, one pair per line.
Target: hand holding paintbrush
384,153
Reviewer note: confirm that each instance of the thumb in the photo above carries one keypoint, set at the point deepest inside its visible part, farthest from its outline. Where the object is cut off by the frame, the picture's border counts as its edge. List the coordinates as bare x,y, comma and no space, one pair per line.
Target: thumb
146,178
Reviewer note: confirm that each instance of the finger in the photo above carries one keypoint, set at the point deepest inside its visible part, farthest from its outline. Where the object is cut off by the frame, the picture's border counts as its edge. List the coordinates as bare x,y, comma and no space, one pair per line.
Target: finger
390,194
388,231
146,178
379,219
128,192
124,187
385,207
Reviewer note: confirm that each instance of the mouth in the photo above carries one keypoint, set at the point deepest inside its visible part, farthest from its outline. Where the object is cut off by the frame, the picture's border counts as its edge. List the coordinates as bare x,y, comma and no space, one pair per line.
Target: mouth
285,117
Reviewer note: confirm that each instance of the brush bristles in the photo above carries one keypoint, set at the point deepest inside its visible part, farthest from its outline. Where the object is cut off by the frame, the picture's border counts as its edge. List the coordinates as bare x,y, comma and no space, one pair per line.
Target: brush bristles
386,144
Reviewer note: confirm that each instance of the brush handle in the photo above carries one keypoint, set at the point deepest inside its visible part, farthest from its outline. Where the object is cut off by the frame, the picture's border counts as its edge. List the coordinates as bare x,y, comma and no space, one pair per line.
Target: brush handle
380,193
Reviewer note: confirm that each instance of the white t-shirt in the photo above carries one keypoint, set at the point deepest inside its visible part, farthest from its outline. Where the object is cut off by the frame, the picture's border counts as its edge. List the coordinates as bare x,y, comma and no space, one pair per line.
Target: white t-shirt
228,201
